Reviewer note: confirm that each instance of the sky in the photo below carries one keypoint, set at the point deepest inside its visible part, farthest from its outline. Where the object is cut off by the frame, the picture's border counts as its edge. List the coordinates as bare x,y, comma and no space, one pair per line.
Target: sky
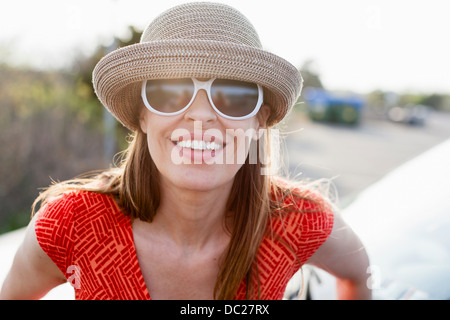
356,45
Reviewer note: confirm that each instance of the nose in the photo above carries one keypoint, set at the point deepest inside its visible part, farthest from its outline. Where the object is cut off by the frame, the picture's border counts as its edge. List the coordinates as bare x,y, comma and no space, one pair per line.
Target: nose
201,109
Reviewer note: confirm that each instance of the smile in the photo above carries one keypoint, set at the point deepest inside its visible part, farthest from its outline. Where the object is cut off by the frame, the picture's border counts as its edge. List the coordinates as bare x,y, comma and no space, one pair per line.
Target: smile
199,145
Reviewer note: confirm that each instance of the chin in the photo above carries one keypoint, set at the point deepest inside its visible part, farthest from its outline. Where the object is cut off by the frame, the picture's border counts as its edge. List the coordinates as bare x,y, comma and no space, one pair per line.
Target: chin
201,178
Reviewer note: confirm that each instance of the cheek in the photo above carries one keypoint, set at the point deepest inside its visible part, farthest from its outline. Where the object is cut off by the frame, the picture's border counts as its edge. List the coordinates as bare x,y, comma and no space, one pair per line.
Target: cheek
156,128
152,142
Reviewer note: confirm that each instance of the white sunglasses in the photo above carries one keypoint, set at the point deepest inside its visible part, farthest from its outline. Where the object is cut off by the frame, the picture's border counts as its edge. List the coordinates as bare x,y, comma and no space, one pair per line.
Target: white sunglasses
231,99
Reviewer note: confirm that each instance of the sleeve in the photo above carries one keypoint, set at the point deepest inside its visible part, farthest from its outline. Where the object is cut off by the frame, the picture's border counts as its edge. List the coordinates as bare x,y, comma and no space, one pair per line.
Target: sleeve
315,225
55,230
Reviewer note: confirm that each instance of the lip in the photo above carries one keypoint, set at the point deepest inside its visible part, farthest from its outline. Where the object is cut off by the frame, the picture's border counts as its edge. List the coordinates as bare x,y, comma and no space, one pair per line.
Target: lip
196,156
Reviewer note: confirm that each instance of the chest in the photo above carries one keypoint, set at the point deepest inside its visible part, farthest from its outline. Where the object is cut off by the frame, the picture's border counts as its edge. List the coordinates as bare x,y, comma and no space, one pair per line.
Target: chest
173,273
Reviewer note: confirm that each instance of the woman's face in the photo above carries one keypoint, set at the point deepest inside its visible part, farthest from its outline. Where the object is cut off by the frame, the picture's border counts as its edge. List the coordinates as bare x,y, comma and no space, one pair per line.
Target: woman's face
198,149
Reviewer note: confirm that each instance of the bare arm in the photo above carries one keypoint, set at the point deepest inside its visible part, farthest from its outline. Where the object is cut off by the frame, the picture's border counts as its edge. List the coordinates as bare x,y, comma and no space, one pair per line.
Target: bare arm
343,255
32,273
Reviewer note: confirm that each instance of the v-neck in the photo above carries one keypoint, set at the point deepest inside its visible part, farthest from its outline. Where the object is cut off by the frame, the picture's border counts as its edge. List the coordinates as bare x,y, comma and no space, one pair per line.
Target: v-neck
278,263
133,251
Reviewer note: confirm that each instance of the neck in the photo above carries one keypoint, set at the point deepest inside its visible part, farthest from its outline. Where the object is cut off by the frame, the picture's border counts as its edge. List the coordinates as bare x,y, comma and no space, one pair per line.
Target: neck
193,219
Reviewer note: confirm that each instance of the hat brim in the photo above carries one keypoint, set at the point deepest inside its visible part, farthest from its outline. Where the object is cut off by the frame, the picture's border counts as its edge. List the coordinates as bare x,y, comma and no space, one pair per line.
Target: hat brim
117,78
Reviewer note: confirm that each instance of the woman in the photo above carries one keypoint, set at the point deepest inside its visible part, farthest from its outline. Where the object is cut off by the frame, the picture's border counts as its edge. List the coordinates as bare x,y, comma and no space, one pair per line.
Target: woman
185,216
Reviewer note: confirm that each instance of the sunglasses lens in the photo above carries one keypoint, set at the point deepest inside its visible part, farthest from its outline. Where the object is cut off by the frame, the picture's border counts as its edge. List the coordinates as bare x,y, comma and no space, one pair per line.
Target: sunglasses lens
234,98
169,96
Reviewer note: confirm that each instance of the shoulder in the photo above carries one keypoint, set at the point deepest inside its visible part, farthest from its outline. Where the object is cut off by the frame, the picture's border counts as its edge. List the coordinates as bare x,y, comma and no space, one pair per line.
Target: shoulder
302,216
58,220
65,205
65,221
310,208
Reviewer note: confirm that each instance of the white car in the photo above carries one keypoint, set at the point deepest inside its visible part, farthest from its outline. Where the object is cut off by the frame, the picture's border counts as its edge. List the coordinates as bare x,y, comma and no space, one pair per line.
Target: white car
404,223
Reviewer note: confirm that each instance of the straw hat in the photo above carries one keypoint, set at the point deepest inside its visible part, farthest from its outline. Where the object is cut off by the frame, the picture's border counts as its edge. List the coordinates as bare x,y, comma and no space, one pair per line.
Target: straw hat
194,40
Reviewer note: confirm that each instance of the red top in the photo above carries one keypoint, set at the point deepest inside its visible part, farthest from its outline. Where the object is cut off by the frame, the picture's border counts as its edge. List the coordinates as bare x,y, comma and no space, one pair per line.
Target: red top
87,232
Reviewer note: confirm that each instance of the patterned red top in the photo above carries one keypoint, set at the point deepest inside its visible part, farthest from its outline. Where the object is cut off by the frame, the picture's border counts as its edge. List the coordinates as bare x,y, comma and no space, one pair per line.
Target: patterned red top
86,232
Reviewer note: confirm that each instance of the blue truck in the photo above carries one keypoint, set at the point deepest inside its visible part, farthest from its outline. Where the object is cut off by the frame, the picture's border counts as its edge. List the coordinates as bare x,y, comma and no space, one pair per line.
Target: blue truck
325,106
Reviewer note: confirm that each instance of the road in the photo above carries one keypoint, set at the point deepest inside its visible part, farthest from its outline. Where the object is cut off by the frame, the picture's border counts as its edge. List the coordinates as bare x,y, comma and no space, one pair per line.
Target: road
357,156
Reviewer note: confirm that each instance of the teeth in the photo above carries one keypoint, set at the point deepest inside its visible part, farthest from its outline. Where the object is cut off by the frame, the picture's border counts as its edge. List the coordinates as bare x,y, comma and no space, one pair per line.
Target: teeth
199,145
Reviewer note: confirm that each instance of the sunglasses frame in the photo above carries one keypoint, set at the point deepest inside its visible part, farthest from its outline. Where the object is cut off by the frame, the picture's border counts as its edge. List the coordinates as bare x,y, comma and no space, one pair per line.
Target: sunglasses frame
205,85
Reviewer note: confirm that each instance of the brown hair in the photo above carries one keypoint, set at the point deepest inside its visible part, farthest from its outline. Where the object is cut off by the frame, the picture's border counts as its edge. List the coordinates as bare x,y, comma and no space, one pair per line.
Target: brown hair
133,183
